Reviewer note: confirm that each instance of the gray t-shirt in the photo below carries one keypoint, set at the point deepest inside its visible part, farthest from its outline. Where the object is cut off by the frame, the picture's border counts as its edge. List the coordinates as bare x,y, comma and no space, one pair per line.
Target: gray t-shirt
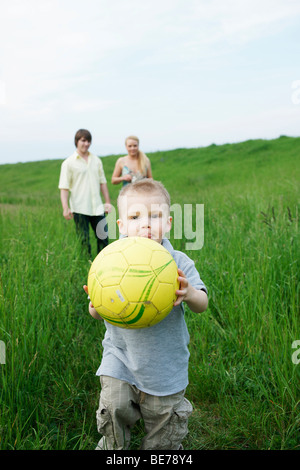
154,359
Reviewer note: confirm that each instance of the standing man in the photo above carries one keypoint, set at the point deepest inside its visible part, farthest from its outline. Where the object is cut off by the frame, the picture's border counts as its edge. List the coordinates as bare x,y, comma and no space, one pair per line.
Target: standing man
83,176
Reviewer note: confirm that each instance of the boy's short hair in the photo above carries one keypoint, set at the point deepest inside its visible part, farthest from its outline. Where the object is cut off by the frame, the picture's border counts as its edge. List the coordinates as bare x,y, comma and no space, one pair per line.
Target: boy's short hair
83,133
145,186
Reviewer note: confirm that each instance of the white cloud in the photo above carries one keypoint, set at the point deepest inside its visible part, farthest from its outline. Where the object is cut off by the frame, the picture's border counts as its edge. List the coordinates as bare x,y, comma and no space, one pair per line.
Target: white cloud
2,93
92,104
132,64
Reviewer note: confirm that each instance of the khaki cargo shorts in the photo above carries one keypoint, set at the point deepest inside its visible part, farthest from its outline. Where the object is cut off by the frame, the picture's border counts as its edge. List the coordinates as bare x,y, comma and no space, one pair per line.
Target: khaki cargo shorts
122,405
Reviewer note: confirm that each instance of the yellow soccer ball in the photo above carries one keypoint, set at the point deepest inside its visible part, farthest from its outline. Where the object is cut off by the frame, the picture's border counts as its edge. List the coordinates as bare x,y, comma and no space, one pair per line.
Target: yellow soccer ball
132,282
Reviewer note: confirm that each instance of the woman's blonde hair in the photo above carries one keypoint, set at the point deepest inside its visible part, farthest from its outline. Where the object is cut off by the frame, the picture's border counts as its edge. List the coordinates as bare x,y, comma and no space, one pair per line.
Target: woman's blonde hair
142,162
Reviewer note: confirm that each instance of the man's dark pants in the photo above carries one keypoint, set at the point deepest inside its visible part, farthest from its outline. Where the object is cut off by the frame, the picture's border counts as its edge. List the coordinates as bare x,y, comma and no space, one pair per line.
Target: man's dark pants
99,226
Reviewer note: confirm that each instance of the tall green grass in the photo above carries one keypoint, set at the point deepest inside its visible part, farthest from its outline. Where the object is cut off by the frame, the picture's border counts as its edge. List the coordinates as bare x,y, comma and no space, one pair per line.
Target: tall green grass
243,384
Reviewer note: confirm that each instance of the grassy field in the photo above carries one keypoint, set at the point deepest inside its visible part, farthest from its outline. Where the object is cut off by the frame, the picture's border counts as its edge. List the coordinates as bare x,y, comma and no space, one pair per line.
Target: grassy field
244,385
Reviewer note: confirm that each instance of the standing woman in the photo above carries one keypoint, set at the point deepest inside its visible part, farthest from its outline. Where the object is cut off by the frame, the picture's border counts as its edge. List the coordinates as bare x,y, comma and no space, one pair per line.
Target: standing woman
134,166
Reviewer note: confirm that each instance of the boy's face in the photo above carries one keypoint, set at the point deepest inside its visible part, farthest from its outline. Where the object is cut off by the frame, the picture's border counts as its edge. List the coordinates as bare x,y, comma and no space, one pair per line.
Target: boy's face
144,216
83,145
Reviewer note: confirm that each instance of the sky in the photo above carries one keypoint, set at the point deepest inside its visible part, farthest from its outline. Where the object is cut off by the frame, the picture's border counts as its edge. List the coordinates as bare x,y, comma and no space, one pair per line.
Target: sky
175,73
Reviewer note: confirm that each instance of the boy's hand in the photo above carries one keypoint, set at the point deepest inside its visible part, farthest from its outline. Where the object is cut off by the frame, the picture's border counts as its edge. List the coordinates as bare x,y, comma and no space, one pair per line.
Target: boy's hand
92,310
183,288
85,288
196,299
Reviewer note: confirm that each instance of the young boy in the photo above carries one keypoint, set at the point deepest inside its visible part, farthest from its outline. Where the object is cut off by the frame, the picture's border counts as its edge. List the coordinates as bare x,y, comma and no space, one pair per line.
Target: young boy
144,372
83,176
